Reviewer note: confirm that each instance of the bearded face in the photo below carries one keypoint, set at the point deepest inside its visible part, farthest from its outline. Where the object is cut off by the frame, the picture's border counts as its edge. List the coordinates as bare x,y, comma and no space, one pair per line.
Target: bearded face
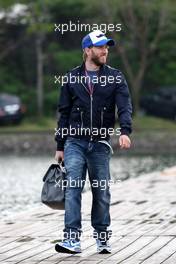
98,55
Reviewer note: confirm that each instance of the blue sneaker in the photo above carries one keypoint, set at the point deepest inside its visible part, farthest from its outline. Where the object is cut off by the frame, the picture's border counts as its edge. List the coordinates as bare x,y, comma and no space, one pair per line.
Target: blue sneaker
103,247
68,246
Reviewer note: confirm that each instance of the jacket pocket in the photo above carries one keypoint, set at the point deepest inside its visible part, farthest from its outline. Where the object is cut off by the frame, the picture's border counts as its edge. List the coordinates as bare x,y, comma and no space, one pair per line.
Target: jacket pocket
107,117
77,115
81,112
102,115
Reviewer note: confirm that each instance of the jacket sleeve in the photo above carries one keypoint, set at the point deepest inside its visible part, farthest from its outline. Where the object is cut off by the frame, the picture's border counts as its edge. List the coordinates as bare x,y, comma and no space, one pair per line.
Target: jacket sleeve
64,108
124,106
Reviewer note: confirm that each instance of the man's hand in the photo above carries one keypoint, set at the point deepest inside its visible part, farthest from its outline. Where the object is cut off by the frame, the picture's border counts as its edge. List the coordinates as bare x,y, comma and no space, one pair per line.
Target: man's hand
59,156
124,141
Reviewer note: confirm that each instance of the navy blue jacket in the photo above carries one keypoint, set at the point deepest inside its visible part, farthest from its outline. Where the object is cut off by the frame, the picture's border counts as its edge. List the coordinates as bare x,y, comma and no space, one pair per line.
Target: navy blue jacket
79,109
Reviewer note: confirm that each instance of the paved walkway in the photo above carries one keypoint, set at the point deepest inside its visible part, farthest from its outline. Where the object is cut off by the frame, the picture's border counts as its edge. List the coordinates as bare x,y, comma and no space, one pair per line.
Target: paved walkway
143,214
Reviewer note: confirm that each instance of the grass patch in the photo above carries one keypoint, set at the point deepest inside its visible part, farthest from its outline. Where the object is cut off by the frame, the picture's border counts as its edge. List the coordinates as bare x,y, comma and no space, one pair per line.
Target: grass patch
149,123
140,124
31,125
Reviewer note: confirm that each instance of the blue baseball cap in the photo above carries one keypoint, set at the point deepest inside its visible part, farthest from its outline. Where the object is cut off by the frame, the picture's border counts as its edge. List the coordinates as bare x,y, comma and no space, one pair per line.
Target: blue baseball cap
96,38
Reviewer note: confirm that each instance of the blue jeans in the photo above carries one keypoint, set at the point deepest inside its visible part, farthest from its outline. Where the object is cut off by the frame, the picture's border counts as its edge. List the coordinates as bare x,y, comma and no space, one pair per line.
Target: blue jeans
80,155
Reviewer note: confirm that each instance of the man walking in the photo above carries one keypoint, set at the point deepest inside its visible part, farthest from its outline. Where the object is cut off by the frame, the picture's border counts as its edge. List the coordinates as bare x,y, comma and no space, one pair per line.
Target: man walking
87,117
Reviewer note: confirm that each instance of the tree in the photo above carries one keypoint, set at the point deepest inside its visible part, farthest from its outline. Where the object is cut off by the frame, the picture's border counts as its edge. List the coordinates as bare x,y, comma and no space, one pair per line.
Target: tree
144,24
39,26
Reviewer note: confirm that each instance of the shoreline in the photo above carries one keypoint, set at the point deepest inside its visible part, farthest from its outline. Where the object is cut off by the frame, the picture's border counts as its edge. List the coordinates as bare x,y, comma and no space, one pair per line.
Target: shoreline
35,143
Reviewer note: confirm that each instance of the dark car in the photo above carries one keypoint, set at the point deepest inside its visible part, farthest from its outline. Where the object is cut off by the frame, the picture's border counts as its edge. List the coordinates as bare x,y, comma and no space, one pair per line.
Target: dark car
162,103
11,109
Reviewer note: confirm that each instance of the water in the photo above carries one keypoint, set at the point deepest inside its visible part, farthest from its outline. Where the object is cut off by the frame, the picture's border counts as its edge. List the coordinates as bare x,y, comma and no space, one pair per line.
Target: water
21,177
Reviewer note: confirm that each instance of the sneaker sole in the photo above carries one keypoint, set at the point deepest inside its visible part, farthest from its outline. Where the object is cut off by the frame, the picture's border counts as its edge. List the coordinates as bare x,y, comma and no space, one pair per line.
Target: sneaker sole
104,251
61,249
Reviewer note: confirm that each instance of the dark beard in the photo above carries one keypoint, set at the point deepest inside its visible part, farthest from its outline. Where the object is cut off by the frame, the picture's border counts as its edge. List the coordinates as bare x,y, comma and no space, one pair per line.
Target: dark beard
95,59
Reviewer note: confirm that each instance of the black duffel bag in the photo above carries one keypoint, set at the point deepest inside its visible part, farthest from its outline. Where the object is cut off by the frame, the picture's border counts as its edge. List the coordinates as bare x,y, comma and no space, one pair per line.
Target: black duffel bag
53,191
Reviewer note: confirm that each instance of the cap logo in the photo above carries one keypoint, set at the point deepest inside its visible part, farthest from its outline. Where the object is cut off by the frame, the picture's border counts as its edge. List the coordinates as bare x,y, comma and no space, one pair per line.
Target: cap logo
99,36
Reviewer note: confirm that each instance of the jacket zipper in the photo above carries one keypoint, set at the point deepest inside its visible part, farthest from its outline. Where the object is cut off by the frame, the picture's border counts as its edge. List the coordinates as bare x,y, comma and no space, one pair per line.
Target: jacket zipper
101,118
102,115
91,100
81,116
82,119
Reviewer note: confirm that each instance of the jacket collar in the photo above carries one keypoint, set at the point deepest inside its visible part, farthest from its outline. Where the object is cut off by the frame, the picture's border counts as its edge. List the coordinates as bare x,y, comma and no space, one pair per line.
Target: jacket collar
101,71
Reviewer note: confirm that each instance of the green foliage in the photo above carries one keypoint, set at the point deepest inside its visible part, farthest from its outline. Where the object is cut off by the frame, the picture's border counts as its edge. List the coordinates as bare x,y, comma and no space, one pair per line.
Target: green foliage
9,83
51,100
4,5
65,60
63,52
